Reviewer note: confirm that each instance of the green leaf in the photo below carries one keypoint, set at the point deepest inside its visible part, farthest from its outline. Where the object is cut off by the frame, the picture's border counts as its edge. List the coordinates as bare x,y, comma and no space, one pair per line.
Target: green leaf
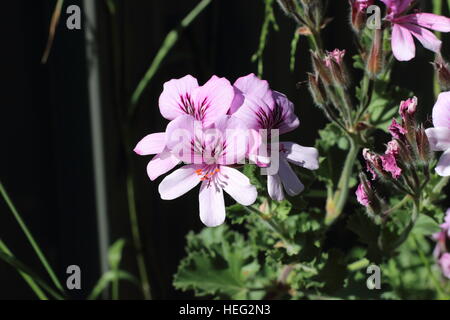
219,262
115,253
109,277
425,226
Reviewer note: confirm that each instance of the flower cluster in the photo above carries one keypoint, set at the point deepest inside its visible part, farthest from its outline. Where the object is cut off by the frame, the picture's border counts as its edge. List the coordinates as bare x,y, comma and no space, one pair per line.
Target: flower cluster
442,249
214,129
407,155
439,136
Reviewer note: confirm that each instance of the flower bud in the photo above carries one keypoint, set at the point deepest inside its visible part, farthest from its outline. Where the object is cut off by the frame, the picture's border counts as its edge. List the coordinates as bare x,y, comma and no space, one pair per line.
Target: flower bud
423,145
373,164
321,69
358,13
443,73
376,56
334,61
317,90
368,198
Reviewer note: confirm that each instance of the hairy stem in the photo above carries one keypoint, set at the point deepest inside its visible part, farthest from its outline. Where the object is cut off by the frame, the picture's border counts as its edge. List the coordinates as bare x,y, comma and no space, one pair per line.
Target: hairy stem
336,204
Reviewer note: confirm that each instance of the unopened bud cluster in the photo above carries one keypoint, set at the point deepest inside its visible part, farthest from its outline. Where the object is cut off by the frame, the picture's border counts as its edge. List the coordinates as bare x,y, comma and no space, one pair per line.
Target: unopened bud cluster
405,162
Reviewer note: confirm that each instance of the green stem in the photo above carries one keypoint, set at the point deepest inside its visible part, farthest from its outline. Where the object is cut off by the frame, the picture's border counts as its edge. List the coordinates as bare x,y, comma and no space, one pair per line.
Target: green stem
29,280
335,206
30,238
437,9
137,238
170,40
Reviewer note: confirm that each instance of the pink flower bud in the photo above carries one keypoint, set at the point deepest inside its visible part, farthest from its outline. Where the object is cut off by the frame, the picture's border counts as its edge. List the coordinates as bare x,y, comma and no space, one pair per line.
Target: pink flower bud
408,108
358,13
361,195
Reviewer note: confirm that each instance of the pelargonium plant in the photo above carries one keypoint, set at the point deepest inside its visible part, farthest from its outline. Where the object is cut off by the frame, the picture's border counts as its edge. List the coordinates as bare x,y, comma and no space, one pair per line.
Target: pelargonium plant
310,222
374,133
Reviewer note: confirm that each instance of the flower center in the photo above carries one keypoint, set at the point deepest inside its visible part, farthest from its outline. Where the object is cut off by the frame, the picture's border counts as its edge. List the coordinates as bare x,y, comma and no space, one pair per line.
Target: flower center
206,173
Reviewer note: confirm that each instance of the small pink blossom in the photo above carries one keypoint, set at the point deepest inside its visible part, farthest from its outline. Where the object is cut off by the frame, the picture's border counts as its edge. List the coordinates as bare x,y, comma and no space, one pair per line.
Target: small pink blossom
336,55
396,130
408,108
389,163
362,196
393,148
372,161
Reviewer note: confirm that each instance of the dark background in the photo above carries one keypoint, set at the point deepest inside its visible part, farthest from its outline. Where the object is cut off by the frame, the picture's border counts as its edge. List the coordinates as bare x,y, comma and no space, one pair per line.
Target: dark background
45,138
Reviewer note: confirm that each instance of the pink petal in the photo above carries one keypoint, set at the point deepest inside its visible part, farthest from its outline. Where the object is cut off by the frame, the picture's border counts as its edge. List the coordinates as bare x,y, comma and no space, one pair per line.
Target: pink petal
252,111
212,204
427,20
305,157
181,132
160,164
426,37
176,98
151,144
238,186
275,188
443,166
213,100
252,86
439,138
291,182
288,119
179,182
403,45
236,137
441,111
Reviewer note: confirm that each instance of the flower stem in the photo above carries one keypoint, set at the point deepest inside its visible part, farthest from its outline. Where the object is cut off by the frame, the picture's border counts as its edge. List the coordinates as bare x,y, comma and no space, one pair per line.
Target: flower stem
30,238
137,238
336,204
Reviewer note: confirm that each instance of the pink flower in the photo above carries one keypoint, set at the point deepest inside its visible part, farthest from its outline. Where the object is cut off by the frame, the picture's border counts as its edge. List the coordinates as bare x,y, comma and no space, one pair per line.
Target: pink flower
408,108
396,130
180,97
336,55
444,263
209,151
373,162
439,136
389,164
362,196
393,148
416,25
264,109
